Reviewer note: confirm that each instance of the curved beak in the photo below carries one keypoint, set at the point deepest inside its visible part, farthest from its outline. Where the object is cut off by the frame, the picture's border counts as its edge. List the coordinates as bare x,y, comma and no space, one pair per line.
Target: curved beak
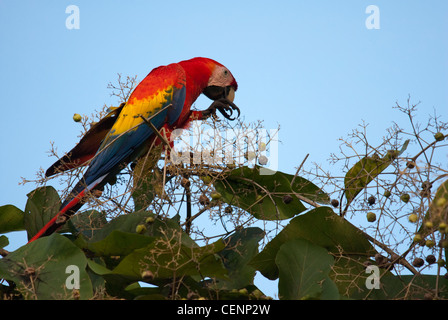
223,100
216,92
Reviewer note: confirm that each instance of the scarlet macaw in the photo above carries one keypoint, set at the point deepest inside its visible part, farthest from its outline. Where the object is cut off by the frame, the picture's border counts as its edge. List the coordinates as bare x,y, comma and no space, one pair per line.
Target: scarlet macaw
164,98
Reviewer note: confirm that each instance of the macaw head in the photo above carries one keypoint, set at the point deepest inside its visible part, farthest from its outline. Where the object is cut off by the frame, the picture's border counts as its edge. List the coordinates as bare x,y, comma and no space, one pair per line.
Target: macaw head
221,83
214,80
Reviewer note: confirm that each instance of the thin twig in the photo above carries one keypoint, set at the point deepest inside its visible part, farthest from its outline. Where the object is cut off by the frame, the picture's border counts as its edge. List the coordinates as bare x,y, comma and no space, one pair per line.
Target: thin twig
298,169
400,259
156,131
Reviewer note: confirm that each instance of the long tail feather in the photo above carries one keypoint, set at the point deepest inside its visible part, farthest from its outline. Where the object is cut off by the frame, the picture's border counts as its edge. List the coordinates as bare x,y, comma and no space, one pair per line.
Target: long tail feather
68,208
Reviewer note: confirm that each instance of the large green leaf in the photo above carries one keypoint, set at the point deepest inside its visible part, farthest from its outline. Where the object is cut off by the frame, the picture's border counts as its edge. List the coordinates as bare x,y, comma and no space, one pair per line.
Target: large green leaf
167,258
303,268
119,243
86,222
263,195
11,219
438,210
115,284
320,226
124,223
419,285
355,281
42,205
240,248
43,269
367,169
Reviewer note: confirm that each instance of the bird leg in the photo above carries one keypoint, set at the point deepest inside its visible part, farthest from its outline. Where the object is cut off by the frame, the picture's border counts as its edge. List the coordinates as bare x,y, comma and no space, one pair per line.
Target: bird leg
223,105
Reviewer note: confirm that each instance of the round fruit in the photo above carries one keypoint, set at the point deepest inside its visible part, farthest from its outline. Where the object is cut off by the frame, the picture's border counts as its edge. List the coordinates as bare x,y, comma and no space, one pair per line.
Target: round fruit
215,195
417,238
147,275
444,244
371,216
430,243
150,220
250,155
262,146
418,262
140,228
243,291
442,227
429,224
410,164
185,182
439,136
371,200
287,199
430,259
259,198
335,203
405,197
413,217
263,160
206,179
441,202
387,193
77,117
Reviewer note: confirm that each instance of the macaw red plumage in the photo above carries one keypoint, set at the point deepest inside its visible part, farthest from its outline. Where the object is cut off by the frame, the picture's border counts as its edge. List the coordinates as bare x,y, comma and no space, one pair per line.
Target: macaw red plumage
161,100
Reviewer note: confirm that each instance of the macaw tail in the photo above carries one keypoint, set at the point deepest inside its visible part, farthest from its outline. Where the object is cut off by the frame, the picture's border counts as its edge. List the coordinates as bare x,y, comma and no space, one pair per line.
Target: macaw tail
70,206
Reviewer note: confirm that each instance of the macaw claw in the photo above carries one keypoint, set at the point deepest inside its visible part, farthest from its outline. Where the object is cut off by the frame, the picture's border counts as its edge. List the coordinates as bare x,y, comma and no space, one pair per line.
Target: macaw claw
223,105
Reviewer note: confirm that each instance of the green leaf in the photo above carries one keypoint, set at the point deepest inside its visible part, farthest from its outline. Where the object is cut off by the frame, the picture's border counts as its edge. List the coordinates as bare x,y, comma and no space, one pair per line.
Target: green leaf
115,283
119,243
11,219
87,222
3,241
240,248
42,205
350,275
437,211
263,195
320,226
168,258
39,269
421,284
124,223
367,169
303,268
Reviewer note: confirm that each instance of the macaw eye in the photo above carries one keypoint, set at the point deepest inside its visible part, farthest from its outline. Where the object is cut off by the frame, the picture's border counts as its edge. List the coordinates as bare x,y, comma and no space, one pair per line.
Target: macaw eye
226,72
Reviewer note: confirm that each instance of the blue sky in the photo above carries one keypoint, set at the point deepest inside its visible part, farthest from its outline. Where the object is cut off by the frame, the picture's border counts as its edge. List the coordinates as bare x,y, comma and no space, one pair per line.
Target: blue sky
311,67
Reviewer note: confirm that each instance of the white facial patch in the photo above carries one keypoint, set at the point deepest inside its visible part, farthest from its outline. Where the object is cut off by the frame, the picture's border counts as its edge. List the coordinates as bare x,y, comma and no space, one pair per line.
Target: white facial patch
221,77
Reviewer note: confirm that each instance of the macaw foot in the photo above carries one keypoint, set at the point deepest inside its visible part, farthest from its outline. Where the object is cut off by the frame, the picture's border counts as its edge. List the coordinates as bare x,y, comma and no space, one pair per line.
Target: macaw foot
223,105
